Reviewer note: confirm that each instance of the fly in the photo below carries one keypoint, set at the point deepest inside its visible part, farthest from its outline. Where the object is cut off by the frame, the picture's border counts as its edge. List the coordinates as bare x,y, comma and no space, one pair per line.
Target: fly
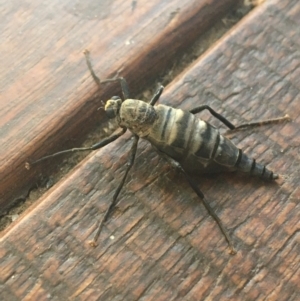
188,143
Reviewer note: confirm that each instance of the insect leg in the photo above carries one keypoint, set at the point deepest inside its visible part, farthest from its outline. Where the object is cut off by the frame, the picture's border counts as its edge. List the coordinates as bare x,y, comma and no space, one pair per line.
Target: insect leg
263,122
210,210
80,149
156,95
102,221
233,127
124,85
214,113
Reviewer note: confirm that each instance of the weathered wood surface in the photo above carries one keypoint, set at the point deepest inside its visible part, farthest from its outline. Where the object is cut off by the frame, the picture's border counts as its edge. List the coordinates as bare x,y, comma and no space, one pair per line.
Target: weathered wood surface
48,99
165,246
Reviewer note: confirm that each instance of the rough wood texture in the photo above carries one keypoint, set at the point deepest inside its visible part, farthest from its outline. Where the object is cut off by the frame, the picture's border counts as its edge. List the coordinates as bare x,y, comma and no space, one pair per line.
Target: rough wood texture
160,244
47,94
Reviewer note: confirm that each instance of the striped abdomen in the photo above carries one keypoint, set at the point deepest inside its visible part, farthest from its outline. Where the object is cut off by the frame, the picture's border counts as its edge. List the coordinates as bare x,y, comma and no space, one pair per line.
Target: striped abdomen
198,146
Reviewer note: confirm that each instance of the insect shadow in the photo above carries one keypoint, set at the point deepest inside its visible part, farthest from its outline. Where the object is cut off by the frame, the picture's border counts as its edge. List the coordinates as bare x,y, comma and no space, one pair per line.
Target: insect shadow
187,143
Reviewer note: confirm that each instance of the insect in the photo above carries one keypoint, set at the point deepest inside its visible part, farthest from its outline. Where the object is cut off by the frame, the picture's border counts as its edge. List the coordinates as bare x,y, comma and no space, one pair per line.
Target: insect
188,143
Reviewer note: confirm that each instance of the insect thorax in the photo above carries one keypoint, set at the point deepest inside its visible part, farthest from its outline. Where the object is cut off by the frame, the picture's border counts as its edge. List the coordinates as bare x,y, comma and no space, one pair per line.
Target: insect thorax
138,116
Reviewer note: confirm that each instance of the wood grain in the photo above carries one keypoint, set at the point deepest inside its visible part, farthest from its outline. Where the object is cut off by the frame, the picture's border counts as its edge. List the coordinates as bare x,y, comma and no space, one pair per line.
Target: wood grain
48,98
160,243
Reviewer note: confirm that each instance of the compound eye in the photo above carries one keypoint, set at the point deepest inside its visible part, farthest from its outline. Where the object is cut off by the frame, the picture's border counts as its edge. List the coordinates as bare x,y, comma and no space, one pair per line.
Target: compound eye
113,106
110,113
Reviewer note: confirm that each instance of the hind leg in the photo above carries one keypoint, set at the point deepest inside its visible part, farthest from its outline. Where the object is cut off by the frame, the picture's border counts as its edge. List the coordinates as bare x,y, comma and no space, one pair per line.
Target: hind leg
194,186
233,127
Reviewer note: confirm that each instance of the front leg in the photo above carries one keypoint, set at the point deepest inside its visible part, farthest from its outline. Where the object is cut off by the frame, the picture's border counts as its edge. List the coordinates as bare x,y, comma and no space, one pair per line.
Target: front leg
124,85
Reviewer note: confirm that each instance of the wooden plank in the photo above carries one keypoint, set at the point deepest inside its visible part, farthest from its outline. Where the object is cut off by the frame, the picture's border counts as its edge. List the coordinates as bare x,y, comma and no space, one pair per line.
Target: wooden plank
48,99
160,244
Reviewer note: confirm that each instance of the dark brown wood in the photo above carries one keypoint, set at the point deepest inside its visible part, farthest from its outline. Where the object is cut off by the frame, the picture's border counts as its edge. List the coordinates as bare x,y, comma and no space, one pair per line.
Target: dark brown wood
160,244
48,98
